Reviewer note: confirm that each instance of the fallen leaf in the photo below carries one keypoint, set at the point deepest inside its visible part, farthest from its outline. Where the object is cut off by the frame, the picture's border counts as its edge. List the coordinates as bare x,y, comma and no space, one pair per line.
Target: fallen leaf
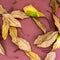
2,10
12,21
32,11
50,56
33,56
40,25
57,22
19,14
46,40
5,28
56,45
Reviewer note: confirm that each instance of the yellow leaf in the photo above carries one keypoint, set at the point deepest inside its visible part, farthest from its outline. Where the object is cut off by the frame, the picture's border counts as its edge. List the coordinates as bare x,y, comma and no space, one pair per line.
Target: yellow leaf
32,11
50,56
2,10
5,28
2,50
19,14
32,55
12,21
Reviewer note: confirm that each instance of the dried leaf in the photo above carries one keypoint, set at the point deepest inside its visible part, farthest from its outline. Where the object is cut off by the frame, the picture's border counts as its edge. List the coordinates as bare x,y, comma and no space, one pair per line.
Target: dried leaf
56,45
5,28
31,11
19,14
54,5
12,21
23,44
2,10
33,56
58,1
46,40
40,25
51,56
57,22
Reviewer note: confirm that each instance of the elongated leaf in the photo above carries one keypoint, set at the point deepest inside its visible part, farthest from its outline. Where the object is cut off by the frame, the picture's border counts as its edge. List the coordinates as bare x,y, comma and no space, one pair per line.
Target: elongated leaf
2,10
2,50
12,21
40,25
5,28
56,45
47,40
57,22
33,56
19,14
51,56
31,11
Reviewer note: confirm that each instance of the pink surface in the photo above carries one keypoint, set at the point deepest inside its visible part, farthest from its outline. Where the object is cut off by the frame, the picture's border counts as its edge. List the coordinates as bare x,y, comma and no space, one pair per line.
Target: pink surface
31,31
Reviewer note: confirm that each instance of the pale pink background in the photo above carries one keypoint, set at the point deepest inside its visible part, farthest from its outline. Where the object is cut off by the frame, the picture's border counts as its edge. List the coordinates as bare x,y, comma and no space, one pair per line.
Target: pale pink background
31,31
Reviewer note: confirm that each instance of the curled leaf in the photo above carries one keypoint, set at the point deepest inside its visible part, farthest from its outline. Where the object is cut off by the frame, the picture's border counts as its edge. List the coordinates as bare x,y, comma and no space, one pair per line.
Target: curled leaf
19,14
33,56
12,21
2,10
46,40
56,45
51,56
57,22
40,25
5,28
31,11
2,50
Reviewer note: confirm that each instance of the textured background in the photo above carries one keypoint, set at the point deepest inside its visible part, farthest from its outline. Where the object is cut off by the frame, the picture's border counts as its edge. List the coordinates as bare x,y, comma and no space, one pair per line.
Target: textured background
31,31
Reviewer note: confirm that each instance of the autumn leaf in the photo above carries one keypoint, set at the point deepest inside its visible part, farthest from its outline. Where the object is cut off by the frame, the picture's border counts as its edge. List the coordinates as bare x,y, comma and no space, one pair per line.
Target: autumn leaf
56,45
33,56
57,22
12,21
50,56
5,28
40,25
2,10
32,11
46,40
19,14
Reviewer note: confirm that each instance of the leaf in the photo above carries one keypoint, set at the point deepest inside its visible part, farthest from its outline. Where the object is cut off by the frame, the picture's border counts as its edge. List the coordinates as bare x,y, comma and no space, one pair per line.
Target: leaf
2,10
33,56
56,45
5,28
12,21
2,50
46,40
40,25
19,14
58,1
57,22
23,44
50,56
31,11
54,5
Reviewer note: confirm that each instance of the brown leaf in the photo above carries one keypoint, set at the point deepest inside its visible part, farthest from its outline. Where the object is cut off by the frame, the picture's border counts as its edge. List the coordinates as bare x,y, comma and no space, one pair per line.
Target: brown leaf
12,21
5,28
46,40
33,56
19,14
2,10
40,25
54,5
57,22
2,50
50,56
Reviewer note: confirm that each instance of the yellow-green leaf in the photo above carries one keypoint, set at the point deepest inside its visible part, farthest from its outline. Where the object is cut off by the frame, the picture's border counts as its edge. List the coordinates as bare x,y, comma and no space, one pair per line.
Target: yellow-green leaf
5,28
19,14
33,56
32,11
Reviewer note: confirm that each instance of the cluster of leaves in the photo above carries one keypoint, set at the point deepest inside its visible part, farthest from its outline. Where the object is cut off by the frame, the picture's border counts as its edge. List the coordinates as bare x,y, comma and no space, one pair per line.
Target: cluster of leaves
10,25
